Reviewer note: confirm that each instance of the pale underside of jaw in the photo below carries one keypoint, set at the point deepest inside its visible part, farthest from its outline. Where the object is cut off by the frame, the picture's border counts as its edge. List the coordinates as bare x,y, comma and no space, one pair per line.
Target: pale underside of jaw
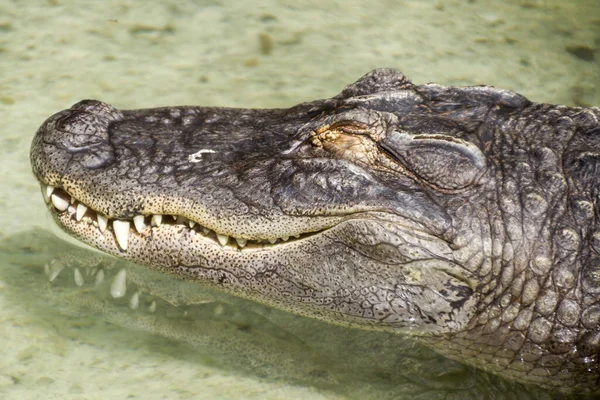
65,205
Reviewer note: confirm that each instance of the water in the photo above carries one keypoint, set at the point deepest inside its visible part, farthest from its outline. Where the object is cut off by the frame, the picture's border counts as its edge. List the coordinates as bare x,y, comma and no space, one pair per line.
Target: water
59,340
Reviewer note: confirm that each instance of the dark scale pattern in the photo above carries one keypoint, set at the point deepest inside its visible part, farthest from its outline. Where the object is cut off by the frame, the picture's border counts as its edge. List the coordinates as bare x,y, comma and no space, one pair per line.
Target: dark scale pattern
465,216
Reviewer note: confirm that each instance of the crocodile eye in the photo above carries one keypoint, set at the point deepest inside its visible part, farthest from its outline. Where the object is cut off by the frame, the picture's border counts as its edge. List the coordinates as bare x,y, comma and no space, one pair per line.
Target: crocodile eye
349,140
443,161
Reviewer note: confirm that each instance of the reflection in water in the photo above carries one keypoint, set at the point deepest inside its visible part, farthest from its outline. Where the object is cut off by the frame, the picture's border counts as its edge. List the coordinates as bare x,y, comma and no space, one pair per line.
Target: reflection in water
239,336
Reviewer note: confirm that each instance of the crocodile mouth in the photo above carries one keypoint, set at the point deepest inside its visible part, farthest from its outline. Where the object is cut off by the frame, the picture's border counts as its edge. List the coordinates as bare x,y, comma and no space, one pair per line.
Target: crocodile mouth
69,212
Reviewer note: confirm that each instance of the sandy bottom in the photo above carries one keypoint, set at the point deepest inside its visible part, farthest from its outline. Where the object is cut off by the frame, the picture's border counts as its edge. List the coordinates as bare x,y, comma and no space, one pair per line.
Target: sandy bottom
226,53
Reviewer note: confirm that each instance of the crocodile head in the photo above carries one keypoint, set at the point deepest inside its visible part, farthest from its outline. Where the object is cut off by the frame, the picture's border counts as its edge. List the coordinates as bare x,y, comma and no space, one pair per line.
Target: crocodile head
340,209
427,209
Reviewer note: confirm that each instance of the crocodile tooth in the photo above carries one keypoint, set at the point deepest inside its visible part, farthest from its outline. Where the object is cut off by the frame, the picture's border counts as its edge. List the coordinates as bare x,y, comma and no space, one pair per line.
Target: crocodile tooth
297,236
206,231
174,217
223,239
55,270
81,209
121,229
138,221
78,277
59,203
156,219
240,242
191,223
118,288
285,238
152,306
134,302
272,241
49,190
102,222
73,200
99,277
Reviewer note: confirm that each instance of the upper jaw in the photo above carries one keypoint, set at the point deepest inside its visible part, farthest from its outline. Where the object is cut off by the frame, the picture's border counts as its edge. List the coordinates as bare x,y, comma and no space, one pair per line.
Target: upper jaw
87,224
115,235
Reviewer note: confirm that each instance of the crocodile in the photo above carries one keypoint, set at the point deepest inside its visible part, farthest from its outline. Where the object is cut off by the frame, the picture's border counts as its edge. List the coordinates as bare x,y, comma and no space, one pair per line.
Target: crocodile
465,217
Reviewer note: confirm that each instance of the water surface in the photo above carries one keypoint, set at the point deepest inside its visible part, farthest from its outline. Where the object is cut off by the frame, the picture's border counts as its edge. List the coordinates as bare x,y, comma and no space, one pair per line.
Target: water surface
60,342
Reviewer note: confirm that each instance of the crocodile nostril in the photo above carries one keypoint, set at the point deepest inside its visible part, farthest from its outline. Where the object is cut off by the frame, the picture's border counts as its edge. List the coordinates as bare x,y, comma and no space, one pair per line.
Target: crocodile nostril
80,134
102,110
79,128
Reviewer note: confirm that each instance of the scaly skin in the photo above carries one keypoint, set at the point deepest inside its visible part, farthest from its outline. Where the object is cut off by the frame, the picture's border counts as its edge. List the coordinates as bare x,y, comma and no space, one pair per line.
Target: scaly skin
464,216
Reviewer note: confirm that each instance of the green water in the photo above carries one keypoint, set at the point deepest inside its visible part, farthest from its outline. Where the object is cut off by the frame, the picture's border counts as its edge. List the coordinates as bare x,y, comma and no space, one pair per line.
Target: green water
62,344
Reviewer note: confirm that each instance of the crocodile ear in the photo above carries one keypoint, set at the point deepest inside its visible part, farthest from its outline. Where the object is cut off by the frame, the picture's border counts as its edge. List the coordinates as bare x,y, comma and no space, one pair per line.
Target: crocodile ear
376,81
445,162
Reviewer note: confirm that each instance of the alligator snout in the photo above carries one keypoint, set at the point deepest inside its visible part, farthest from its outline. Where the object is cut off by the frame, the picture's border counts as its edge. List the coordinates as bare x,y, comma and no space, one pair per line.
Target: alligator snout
79,134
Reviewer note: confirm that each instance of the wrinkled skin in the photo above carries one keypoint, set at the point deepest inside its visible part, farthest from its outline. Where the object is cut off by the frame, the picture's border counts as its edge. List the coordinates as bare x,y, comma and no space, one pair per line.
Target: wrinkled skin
464,216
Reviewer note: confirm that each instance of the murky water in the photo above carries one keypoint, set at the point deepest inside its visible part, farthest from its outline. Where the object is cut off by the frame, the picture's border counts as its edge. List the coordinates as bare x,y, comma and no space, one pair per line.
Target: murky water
66,337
